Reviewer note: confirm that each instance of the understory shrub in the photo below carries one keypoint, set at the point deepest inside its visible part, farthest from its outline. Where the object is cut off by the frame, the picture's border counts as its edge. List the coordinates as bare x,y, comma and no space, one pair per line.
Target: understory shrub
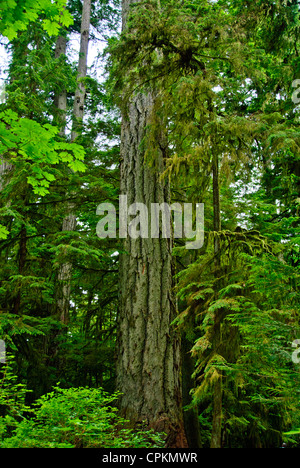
75,418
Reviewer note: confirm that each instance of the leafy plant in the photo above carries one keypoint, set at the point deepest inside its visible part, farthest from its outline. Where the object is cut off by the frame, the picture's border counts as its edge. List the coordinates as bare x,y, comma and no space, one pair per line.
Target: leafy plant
17,14
78,418
12,399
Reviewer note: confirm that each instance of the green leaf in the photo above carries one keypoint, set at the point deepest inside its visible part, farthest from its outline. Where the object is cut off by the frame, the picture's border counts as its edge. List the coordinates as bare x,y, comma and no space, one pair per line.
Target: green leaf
51,27
77,166
3,232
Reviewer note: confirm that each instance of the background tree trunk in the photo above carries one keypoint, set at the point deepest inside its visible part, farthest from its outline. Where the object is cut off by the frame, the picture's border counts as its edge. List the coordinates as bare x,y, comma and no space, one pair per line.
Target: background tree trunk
78,110
216,435
148,348
191,415
69,222
60,99
5,168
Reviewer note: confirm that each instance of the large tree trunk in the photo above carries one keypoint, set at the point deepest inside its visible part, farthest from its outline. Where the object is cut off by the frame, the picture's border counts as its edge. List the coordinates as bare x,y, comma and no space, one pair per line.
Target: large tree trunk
148,347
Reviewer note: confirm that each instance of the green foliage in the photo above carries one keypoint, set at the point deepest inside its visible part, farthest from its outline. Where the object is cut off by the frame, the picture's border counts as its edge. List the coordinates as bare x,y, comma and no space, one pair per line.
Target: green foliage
17,14
216,71
43,169
78,418
12,399
32,148
222,75
258,322
3,232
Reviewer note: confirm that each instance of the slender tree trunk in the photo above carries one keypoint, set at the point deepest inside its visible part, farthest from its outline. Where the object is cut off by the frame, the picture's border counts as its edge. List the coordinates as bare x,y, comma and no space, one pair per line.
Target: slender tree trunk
148,348
216,436
69,222
217,210
63,292
191,416
5,168
63,289
60,99
78,111
22,262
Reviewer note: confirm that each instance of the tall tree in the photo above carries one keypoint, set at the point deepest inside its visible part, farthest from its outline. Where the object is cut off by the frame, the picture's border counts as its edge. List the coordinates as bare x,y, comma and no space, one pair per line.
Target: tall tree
80,93
205,46
216,435
60,98
69,223
148,348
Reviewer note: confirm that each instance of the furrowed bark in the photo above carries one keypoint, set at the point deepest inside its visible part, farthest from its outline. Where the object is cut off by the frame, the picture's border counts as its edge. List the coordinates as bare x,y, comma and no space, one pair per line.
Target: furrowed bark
148,347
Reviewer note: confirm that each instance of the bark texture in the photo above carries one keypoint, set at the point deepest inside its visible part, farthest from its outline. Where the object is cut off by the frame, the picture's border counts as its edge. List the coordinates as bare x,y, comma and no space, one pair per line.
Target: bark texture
148,347
80,93
5,168
63,290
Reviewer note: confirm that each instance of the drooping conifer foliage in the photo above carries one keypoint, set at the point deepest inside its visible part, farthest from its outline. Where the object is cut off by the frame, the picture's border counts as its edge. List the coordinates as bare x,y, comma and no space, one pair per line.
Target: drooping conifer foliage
193,101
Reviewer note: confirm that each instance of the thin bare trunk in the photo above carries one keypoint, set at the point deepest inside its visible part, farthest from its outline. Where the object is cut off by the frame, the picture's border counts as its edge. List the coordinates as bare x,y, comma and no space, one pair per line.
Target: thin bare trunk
5,168
78,111
216,434
60,99
69,223
217,210
22,262
63,291
191,415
